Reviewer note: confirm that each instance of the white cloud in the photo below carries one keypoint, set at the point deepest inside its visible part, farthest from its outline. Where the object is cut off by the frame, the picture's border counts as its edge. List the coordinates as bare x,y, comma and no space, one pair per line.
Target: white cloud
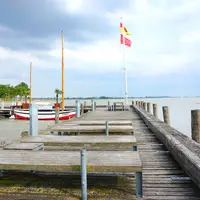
73,6
191,36
157,41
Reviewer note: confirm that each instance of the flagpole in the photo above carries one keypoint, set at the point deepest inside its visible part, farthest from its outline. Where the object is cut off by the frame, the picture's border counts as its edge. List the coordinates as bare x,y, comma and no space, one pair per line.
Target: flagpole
63,99
30,101
125,68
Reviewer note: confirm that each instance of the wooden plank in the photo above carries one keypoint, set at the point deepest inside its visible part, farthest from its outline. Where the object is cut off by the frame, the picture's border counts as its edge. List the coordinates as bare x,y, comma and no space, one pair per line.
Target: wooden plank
101,122
89,129
95,140
53,142
97,161
24,146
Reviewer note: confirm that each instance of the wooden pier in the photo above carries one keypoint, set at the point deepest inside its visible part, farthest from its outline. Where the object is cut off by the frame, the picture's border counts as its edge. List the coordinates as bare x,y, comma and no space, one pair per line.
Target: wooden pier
6,113
135,144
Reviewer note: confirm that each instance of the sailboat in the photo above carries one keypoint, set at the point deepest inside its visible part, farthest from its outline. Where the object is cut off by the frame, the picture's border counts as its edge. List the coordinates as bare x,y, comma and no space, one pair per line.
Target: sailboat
44,114
45,110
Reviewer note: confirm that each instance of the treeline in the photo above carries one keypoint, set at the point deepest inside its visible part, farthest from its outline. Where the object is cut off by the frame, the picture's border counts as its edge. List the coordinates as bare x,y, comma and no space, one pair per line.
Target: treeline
9,92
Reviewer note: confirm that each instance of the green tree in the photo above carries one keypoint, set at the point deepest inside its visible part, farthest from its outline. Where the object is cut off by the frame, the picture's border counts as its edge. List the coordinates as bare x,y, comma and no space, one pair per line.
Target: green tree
22,90
58,92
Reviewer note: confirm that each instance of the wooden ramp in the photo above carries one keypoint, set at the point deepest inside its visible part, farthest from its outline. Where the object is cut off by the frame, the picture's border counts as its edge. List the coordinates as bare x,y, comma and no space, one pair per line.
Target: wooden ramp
89,142
62,161
162,176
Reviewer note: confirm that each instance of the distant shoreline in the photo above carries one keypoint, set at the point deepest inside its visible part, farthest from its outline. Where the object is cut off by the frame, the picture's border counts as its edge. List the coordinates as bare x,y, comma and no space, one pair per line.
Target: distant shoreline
103,98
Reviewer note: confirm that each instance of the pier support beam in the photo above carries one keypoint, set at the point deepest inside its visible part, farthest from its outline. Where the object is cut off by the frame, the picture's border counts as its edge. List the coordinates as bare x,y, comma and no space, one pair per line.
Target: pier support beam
77,109
83,175
195,125
33,120
155,110
166,115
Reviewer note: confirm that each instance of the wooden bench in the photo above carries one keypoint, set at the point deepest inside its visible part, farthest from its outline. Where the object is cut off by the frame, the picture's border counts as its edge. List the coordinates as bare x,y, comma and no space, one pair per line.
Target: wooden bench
99,122
69,161
90,129
89,142
24,146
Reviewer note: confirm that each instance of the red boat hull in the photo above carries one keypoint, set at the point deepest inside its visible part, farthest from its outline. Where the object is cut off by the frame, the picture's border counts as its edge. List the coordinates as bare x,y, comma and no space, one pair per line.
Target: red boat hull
24,115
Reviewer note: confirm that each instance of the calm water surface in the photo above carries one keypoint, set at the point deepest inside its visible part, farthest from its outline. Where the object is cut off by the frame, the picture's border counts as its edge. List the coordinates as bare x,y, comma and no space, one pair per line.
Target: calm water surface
179,108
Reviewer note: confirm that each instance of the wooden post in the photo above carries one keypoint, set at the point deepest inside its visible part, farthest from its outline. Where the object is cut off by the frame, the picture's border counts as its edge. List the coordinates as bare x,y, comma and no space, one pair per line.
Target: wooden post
95,105
109,108
145,105
166,115
142,104
132,103
149,107
195,125
82,108
155,111
57,115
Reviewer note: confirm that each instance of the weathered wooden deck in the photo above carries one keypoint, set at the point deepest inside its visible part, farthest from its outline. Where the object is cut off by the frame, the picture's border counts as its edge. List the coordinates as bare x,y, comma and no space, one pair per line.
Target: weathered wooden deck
163,177
63,161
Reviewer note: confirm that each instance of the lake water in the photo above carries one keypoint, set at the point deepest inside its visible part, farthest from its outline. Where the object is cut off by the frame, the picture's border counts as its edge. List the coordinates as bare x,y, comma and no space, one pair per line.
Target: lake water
179,111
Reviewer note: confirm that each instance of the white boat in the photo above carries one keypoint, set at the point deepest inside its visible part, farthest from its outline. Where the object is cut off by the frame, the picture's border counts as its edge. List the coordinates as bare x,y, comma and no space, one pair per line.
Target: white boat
45,112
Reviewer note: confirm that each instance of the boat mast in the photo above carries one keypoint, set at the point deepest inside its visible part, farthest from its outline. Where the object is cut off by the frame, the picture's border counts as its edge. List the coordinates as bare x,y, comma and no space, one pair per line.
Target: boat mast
63,103
30,101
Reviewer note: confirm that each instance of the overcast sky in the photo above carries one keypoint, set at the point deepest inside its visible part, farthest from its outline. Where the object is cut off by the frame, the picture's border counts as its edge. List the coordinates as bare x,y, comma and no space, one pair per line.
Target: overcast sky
164,58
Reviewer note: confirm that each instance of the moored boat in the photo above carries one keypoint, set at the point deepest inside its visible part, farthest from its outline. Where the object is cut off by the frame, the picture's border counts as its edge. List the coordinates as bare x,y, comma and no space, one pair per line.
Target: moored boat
44,114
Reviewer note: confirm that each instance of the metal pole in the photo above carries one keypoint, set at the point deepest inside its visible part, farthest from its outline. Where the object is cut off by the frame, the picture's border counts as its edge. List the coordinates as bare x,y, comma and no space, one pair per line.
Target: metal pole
77,109
30,100
57,111
63,71
139,192
92,105
134,148
107,128
83,174
33,120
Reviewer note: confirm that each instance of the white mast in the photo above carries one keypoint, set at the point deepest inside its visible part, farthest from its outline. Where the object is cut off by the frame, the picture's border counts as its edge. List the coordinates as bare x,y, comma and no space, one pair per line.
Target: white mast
124,67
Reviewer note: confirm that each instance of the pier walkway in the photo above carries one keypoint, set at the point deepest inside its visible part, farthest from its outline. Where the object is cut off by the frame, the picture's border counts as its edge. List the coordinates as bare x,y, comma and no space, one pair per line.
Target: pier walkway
163,177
